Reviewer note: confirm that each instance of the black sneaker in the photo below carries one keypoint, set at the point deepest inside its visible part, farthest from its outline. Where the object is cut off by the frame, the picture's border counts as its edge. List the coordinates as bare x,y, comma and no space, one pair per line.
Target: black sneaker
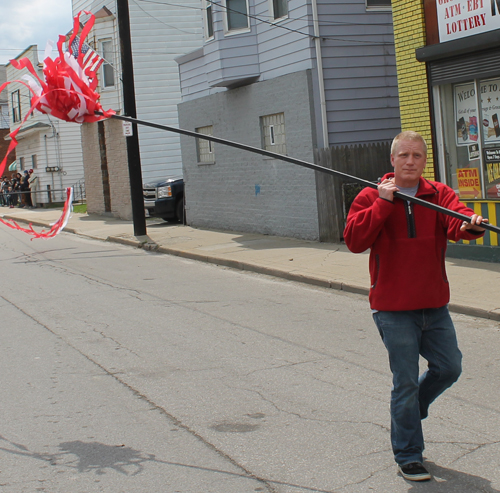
414,471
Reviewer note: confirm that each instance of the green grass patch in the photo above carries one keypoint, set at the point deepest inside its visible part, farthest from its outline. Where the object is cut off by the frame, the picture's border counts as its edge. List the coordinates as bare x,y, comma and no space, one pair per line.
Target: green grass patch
80,208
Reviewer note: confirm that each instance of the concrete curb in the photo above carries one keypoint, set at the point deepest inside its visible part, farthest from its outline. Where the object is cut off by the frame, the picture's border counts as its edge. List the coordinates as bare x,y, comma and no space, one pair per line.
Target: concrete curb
256,268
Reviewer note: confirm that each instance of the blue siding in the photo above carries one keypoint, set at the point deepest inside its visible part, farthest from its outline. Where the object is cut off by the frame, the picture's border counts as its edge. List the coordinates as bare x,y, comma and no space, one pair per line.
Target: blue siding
357,50
359,69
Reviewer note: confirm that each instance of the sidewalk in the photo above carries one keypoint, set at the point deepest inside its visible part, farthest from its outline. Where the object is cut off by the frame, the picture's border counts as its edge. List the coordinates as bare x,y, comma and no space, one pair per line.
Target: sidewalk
474,285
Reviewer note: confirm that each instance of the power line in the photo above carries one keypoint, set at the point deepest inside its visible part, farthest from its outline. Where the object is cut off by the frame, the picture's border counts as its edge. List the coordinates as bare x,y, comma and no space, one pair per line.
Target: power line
274,24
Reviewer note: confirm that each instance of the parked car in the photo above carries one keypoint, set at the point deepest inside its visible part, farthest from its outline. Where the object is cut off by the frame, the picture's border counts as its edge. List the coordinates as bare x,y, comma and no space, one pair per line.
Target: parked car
165,199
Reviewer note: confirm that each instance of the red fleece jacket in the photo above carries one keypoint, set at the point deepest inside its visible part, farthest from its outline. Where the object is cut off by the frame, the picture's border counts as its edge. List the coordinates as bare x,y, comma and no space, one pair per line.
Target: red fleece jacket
408,245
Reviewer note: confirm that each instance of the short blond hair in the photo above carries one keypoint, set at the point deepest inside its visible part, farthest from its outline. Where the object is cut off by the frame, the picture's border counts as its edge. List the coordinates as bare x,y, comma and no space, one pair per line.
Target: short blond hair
408,135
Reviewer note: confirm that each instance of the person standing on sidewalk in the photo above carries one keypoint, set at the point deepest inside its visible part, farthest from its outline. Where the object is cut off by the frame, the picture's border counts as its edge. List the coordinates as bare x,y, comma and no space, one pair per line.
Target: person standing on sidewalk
409,291
33,181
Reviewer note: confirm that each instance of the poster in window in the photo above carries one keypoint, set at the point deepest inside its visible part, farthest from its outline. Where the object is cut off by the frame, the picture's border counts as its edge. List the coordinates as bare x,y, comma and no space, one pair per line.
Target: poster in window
490,109
465,114
492,171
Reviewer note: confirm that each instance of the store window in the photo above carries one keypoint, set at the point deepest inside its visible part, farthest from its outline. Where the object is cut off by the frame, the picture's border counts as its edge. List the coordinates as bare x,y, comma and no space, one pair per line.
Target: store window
470,147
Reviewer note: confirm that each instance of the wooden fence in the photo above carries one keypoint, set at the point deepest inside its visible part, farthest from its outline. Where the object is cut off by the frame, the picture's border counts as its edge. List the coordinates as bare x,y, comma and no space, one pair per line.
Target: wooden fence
335,195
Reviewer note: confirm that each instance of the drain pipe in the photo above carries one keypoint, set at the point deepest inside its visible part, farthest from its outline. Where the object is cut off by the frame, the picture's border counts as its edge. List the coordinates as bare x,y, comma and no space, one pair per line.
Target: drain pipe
321,80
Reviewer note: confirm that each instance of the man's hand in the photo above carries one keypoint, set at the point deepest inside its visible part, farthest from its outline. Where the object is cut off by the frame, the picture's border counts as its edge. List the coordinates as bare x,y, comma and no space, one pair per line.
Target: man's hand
475,221
386,190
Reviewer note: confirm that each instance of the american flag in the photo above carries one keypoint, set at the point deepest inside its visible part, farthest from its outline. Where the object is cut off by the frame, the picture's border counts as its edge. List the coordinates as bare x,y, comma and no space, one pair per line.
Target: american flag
91,60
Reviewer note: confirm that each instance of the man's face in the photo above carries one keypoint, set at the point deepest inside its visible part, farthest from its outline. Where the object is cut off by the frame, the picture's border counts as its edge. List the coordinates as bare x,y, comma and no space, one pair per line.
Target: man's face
409,161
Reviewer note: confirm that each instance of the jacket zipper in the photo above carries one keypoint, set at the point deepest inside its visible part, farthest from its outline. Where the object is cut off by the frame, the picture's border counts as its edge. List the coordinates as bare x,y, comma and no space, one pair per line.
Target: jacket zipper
410,218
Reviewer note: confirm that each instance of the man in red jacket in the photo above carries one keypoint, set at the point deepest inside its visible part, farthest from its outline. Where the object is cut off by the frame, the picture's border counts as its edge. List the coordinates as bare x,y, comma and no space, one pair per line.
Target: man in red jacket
409,289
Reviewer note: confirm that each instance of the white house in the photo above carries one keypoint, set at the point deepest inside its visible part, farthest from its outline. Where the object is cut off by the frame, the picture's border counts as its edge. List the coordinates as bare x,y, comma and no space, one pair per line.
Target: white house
49,146
160,33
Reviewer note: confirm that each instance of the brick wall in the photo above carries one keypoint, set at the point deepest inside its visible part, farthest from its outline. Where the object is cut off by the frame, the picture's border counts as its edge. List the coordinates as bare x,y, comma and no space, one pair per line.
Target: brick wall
243,191
119,183
409,34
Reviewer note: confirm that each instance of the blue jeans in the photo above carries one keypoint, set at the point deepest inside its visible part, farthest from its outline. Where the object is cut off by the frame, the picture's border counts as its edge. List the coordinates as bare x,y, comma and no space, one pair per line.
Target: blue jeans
406,335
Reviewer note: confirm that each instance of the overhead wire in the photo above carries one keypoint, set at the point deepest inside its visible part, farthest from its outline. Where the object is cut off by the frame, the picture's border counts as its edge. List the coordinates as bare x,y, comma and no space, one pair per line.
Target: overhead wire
274,24
259,18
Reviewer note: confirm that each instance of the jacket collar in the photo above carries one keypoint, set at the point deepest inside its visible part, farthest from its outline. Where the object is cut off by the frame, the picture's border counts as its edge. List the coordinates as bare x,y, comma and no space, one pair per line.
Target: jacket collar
425,187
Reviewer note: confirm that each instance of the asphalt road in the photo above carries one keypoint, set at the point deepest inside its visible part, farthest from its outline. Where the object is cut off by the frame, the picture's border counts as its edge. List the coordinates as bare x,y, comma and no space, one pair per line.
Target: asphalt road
130,371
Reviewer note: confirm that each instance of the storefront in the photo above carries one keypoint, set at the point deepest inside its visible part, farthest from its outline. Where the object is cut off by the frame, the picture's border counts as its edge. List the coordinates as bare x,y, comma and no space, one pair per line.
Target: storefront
463,69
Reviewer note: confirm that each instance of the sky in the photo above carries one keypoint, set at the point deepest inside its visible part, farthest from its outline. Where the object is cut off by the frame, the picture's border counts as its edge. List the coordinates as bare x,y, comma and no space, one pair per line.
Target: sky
28,22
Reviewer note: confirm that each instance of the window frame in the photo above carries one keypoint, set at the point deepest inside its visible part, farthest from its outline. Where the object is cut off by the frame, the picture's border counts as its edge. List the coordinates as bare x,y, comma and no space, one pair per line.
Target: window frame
208,6
273,13
274,138
107,63
227,30
16,107
386,8
205,130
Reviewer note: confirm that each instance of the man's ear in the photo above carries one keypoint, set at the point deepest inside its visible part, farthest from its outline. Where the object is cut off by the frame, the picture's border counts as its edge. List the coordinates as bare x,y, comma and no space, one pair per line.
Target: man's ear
392,160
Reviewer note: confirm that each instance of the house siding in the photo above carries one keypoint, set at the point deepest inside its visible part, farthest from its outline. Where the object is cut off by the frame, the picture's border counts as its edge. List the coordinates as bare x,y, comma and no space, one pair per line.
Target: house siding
359,67
358,56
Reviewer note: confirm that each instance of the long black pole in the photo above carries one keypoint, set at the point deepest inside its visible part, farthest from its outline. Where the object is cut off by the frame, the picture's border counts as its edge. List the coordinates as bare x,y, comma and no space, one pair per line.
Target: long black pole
133,152
306,164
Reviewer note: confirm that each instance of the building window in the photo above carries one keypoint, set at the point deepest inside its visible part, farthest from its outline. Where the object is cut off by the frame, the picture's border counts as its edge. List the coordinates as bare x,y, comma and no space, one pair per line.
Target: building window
34,161
279,8
208,18
16,106
108,74
378,4
30,96
205,147
21,163
273,133
237,15
4,116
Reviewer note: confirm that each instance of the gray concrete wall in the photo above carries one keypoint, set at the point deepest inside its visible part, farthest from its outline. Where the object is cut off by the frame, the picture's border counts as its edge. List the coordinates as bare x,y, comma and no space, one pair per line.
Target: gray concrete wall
247,192
119,182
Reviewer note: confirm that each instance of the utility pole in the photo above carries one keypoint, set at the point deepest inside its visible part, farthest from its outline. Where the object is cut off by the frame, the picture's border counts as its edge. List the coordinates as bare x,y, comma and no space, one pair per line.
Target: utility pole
133,153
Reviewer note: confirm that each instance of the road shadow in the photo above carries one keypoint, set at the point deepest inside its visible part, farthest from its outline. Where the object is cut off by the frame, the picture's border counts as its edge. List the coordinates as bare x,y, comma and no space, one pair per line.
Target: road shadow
88,457
100,459
97,457
451,481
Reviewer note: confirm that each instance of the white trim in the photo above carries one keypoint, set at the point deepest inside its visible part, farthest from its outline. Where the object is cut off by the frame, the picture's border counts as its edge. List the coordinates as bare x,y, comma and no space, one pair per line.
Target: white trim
273,19
110,63
205,5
